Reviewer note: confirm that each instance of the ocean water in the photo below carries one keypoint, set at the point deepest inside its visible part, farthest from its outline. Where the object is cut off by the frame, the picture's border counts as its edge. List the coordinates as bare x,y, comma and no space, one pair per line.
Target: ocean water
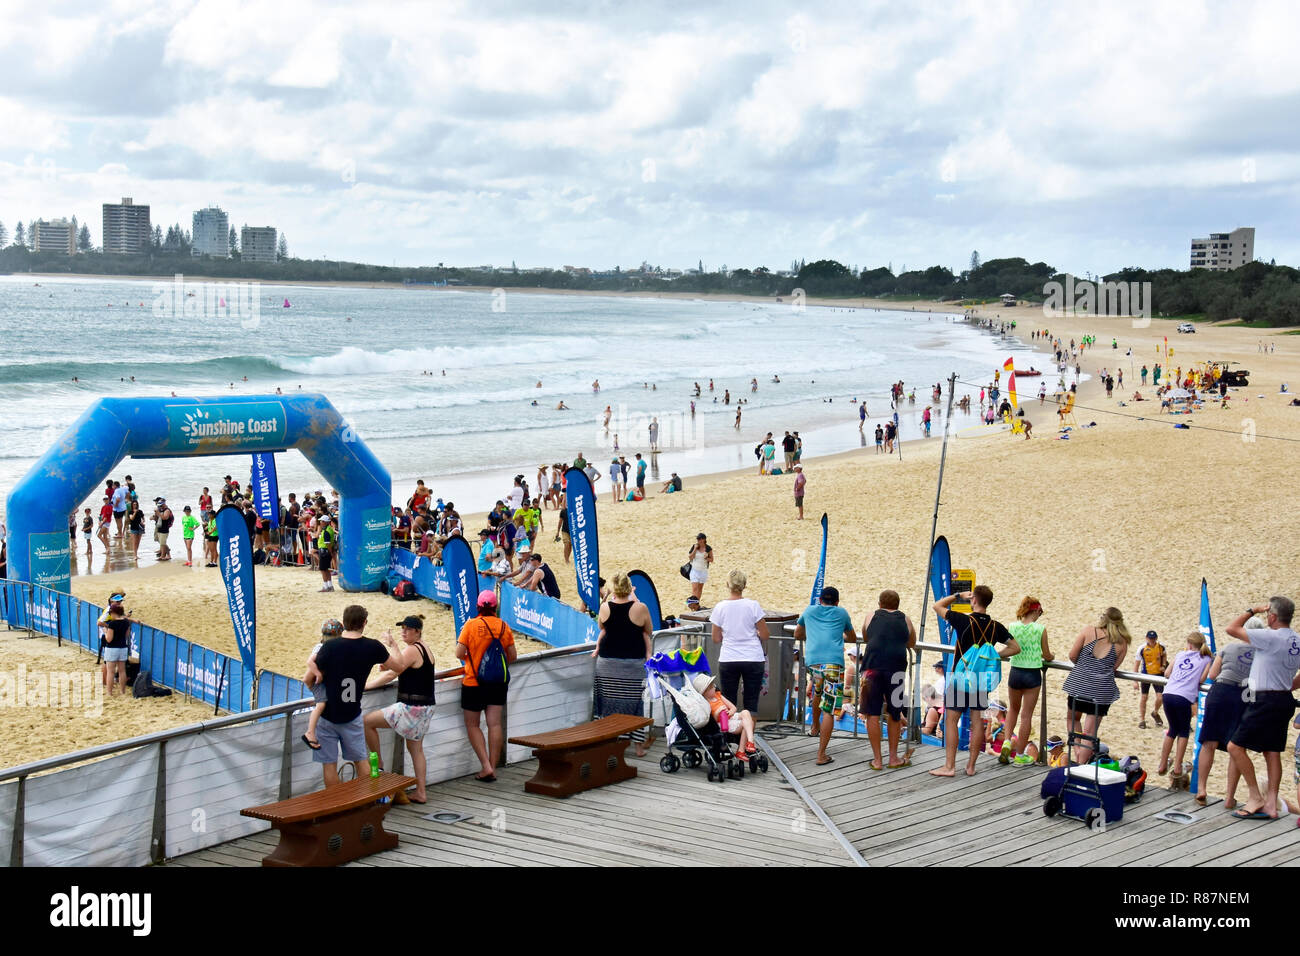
441,382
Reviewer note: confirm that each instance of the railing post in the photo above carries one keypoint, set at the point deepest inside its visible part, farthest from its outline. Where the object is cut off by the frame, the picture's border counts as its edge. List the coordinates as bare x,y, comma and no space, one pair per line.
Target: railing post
286,758
16,847
1042,721
158,845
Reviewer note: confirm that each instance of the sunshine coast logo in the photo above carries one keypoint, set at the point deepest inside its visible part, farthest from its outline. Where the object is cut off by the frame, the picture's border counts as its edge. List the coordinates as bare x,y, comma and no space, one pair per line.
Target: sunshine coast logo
251,424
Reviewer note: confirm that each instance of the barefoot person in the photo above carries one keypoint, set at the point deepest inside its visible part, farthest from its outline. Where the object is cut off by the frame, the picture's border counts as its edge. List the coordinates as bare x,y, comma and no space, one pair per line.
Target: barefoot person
968,689
888,635
825,626
478,698
410,717
1263,725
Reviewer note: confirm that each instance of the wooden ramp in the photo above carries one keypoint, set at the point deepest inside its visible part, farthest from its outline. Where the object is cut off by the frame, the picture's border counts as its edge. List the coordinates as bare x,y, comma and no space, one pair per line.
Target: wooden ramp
655,819
907,817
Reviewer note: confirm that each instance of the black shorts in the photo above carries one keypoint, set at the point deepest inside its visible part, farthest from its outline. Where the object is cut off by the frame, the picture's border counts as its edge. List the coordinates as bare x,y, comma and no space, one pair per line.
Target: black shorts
1178,711
1146,687
884,690
1263,724
730,677
482,696
323,559
1024,678
1224,705
1081,705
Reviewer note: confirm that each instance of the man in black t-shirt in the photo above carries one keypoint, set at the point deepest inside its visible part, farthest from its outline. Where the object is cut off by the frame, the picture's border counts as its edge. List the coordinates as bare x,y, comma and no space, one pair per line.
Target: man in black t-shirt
344,664
969,629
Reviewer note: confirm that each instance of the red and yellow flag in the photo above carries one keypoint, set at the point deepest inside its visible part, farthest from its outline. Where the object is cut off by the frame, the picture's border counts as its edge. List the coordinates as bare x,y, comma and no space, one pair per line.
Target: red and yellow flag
1009,364
1011,387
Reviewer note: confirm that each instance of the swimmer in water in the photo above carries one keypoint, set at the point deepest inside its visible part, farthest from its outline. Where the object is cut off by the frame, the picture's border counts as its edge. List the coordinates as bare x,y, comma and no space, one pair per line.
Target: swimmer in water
538,385
561,407
595,386
534,403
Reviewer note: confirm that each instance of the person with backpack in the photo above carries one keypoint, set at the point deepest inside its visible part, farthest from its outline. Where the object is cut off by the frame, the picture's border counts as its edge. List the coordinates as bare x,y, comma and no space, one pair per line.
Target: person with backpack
976,671
487,648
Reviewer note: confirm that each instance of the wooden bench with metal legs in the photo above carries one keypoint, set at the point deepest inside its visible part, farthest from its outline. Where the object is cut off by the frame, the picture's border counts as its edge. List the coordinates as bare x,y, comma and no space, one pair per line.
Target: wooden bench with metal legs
581,758
333,825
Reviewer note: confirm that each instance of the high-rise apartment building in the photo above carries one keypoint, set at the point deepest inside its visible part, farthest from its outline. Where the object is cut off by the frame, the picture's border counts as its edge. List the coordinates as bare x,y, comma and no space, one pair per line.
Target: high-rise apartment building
1222,251
257,244
210,235
55,235
126,228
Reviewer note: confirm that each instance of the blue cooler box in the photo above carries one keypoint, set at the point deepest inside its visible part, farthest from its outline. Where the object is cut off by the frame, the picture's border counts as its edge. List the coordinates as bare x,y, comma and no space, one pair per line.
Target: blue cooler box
1111,784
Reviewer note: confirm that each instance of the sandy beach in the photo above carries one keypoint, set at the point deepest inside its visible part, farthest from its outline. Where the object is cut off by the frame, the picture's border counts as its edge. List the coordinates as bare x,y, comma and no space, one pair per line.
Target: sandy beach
1131,513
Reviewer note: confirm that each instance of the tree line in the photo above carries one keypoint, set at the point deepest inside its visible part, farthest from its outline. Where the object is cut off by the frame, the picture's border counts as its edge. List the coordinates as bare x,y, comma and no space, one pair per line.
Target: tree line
1263,293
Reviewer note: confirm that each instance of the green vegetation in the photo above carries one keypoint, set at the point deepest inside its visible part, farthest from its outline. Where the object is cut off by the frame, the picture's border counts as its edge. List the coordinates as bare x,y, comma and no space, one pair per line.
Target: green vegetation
1261,295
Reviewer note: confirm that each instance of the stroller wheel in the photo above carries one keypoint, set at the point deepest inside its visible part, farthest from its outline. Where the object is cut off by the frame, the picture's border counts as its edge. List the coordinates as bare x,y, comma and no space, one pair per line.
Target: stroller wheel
762,762
692,759
1052,806
668,763
715,773
740,769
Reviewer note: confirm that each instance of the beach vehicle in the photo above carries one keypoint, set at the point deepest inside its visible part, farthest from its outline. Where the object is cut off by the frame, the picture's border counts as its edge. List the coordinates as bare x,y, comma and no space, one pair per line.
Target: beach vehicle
1187,327
1233,377
1029,373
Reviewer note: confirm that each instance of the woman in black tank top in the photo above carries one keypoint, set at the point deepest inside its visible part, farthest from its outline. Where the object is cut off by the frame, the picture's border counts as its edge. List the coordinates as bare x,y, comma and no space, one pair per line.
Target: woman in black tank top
621,652
411,715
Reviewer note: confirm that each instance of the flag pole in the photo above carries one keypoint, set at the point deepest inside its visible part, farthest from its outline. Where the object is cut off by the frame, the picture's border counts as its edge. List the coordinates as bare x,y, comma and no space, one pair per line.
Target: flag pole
914,728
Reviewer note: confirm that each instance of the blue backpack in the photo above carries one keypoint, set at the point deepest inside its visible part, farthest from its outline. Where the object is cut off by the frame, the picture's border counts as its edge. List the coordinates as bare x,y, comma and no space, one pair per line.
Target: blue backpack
492,666
980,668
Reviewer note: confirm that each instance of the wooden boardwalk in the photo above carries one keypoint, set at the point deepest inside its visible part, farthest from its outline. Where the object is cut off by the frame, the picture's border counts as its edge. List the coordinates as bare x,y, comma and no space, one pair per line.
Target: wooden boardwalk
656,819
907,817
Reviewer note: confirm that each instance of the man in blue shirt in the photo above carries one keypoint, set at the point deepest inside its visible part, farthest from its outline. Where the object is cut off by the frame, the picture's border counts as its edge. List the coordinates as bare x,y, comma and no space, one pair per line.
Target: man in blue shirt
640,474
823,627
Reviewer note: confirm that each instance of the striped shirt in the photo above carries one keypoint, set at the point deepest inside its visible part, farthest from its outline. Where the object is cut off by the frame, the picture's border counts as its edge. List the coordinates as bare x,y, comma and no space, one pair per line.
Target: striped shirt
1093,678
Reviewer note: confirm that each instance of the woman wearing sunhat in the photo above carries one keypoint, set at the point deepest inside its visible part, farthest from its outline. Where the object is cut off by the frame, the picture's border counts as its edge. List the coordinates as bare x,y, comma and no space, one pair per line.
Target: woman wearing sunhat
410,717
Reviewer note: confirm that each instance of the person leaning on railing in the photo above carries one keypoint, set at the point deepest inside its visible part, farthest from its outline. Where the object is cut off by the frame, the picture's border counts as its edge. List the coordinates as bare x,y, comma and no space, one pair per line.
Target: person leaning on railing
1097,653
621,651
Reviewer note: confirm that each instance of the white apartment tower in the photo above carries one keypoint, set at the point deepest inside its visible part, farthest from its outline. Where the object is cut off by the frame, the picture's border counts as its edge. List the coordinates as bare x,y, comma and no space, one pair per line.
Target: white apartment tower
257,244
210,235
1222,251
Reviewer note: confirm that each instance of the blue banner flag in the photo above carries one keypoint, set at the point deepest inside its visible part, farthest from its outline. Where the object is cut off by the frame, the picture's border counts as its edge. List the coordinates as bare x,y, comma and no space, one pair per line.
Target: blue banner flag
462,575
582,532
1207,625
819,582
648,595
940,582
1207,631
236,551
266,493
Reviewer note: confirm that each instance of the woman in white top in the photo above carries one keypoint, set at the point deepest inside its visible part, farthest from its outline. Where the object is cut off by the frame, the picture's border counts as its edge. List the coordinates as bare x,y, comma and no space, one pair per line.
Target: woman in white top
700,557
738,625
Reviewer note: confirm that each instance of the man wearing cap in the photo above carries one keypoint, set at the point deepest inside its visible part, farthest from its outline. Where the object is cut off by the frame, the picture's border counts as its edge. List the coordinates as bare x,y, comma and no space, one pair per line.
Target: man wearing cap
326,543
536,575
824,626
410,717
1150,659
344,664
474,641
1263,724
163,518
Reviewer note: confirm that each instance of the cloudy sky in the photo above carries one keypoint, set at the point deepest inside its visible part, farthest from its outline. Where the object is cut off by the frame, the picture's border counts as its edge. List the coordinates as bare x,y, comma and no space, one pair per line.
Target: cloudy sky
1090,136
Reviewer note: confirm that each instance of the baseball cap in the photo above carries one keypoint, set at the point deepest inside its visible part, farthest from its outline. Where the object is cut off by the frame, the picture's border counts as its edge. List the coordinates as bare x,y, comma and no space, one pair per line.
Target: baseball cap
413,622
1152,634
487,599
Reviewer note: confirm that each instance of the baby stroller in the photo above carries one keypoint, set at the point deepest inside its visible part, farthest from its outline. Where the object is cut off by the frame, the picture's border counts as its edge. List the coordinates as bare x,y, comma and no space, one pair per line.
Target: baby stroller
693,732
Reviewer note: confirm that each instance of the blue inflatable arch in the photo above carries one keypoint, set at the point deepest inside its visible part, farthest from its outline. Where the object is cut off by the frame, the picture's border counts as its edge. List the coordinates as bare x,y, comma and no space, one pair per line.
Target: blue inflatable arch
116,428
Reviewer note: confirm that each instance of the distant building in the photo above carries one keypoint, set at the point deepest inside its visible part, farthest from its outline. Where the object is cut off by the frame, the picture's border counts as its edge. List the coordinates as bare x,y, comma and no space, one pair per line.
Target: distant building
1008,300
126,228
1222,251
257,244
211,233
56,235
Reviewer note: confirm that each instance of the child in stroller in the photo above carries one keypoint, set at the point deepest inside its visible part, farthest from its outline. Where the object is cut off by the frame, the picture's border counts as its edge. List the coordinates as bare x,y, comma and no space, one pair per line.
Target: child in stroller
729,719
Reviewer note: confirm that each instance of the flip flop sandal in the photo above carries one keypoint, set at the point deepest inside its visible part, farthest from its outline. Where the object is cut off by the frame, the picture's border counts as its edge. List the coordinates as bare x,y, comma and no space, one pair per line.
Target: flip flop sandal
898,766
308,742
872,766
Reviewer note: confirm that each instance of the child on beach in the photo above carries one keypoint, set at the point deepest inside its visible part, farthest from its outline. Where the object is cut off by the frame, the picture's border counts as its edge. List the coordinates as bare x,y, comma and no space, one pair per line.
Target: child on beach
1151,659
312,679
1185,673
730,720
995,729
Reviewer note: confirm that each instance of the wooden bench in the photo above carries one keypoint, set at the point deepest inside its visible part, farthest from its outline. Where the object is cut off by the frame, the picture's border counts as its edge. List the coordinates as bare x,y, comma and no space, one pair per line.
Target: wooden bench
581,758
333,825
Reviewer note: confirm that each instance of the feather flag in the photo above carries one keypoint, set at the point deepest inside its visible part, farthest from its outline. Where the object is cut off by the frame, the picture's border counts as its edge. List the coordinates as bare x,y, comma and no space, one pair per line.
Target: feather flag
1009,364
1011,390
